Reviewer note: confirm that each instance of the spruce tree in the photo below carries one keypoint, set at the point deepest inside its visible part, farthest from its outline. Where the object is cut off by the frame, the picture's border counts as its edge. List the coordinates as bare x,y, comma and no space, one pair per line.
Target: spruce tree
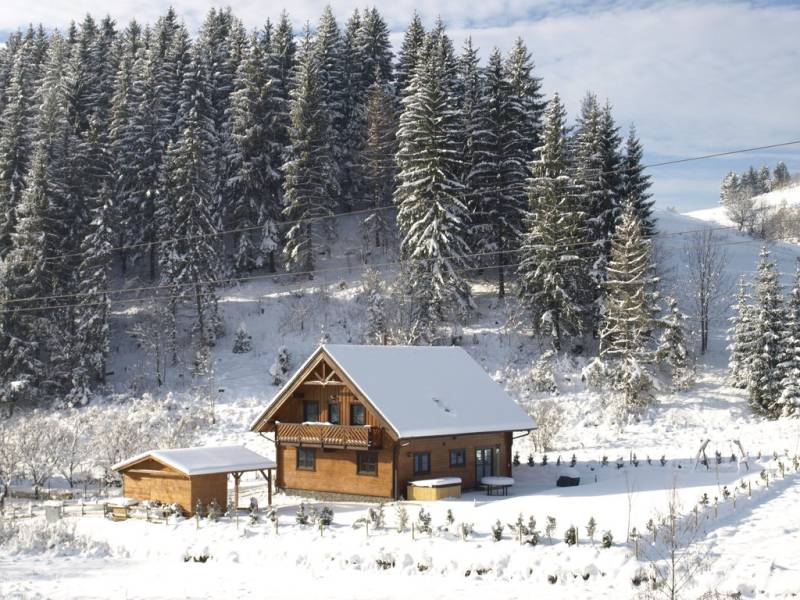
628,312
672,354
635,184
377,164
780,176
251,180
432,216
190,262
765,374
741,336
310,171
410,51
789,401
551,271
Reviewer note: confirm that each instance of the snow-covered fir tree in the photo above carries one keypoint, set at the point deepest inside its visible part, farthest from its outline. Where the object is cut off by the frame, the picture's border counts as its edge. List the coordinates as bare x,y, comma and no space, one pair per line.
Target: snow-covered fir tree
432,215
377,164
672,354
635,184
552,270
373,291
251,178
410,51
765,374
628,313
741,336
190,262
281,367
780,176
311,174
789,401
243,342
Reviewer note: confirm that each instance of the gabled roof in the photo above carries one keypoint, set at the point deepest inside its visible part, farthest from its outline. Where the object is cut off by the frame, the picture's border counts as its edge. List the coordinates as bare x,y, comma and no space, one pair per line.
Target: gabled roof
204,460
423,390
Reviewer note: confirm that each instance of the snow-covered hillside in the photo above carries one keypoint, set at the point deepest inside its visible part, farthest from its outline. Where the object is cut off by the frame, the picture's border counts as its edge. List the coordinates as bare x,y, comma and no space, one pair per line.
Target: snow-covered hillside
788,196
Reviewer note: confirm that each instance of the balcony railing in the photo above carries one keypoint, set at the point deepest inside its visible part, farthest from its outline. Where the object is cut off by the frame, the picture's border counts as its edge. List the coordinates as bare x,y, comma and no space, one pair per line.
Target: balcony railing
329,436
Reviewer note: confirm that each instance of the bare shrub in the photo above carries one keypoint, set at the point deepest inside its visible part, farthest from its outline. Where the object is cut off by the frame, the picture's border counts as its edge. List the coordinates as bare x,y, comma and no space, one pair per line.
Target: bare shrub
549,421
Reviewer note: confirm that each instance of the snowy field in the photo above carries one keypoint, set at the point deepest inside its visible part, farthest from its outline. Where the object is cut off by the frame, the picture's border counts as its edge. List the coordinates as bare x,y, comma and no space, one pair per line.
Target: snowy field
749,550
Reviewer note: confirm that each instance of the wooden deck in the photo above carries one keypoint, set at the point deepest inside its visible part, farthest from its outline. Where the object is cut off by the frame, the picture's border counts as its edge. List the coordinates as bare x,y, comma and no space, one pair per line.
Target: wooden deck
329,436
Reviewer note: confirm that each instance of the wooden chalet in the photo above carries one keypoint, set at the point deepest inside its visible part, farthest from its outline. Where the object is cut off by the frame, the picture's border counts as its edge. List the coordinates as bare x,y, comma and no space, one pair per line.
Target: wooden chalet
185,475
367,420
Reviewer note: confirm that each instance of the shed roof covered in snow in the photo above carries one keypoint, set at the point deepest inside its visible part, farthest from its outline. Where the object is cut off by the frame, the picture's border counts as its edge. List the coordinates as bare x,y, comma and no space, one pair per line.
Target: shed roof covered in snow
421,390
203,460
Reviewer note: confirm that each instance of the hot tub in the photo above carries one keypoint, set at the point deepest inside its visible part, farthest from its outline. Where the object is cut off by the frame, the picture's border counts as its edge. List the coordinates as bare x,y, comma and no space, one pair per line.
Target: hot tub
434,489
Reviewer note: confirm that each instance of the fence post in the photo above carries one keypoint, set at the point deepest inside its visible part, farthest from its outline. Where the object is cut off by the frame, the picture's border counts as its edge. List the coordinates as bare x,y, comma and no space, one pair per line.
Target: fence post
412,532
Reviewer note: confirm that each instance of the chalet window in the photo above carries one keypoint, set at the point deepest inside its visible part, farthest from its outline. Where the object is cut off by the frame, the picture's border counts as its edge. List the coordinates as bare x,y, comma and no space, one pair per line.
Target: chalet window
458,458
305,459
311,411
358,415
422,463
367,463
333,413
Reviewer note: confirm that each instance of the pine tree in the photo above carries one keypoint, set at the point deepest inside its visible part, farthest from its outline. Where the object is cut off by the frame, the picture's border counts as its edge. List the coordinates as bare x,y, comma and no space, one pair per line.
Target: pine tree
410,51
526,105
190,262
328,52
432,216
551,271
780,176
281,66
635,184
15,140
377,164
672,352
281,367
629,308
376,329
765,374
92,314
252,181
242,343
789,401
742,337
310,171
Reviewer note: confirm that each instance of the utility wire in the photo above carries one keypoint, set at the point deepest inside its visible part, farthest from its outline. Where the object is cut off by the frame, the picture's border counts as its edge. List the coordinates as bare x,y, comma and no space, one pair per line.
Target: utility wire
223,232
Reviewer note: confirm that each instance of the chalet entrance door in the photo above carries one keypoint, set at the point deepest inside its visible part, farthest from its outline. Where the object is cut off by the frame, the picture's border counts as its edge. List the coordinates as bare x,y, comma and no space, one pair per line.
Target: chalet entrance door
484,463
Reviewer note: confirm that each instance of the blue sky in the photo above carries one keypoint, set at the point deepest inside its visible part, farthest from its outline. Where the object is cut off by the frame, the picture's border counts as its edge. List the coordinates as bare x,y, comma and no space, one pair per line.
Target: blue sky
695,77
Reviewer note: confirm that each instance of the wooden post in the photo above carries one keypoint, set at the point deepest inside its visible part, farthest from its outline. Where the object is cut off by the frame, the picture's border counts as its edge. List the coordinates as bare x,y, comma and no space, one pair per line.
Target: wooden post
236,477
269,487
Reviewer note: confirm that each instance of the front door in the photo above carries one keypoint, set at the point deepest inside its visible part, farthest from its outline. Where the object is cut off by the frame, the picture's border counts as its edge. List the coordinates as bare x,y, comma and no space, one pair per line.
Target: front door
484,463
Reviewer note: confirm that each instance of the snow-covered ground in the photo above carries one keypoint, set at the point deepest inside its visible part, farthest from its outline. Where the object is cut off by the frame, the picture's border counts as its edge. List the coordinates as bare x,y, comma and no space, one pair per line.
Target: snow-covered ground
788,196
750,548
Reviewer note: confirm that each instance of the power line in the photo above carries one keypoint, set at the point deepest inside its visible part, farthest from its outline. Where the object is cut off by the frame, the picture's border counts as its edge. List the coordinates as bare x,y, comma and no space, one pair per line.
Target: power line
223,232
263,276
189,296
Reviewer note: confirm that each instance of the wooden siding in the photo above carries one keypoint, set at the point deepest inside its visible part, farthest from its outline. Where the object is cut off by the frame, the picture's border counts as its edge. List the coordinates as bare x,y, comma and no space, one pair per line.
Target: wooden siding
439,448
292,410
335,471
152,480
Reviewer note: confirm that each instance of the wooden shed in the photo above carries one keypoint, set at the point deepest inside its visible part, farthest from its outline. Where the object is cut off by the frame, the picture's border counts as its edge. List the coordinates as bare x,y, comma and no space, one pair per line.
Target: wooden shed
185,475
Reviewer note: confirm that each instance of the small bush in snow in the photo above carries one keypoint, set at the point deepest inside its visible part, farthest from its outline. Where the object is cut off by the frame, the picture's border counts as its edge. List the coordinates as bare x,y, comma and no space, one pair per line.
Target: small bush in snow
325,516
542,377
726,493
497,531
558,461
550,528
663,460
703,500
281,367
423,521
571,536
604,461
199,511
530,460
519,528
620,462
607,540
549,420
214,510
515,460
376,516
242,343
301,517
544,460
465,529
449,518
401,516
36,537
573,461
591,527
596,375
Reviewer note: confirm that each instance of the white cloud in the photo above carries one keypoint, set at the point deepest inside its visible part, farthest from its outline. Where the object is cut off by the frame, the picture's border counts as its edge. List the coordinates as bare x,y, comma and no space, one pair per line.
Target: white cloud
694,77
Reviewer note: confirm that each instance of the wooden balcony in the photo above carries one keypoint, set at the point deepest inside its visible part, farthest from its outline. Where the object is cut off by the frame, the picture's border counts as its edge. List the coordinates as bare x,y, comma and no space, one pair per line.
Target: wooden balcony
329,436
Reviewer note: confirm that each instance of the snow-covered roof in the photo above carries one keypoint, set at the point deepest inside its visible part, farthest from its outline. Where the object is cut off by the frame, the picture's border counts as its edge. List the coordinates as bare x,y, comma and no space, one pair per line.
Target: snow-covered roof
204,460
426,390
